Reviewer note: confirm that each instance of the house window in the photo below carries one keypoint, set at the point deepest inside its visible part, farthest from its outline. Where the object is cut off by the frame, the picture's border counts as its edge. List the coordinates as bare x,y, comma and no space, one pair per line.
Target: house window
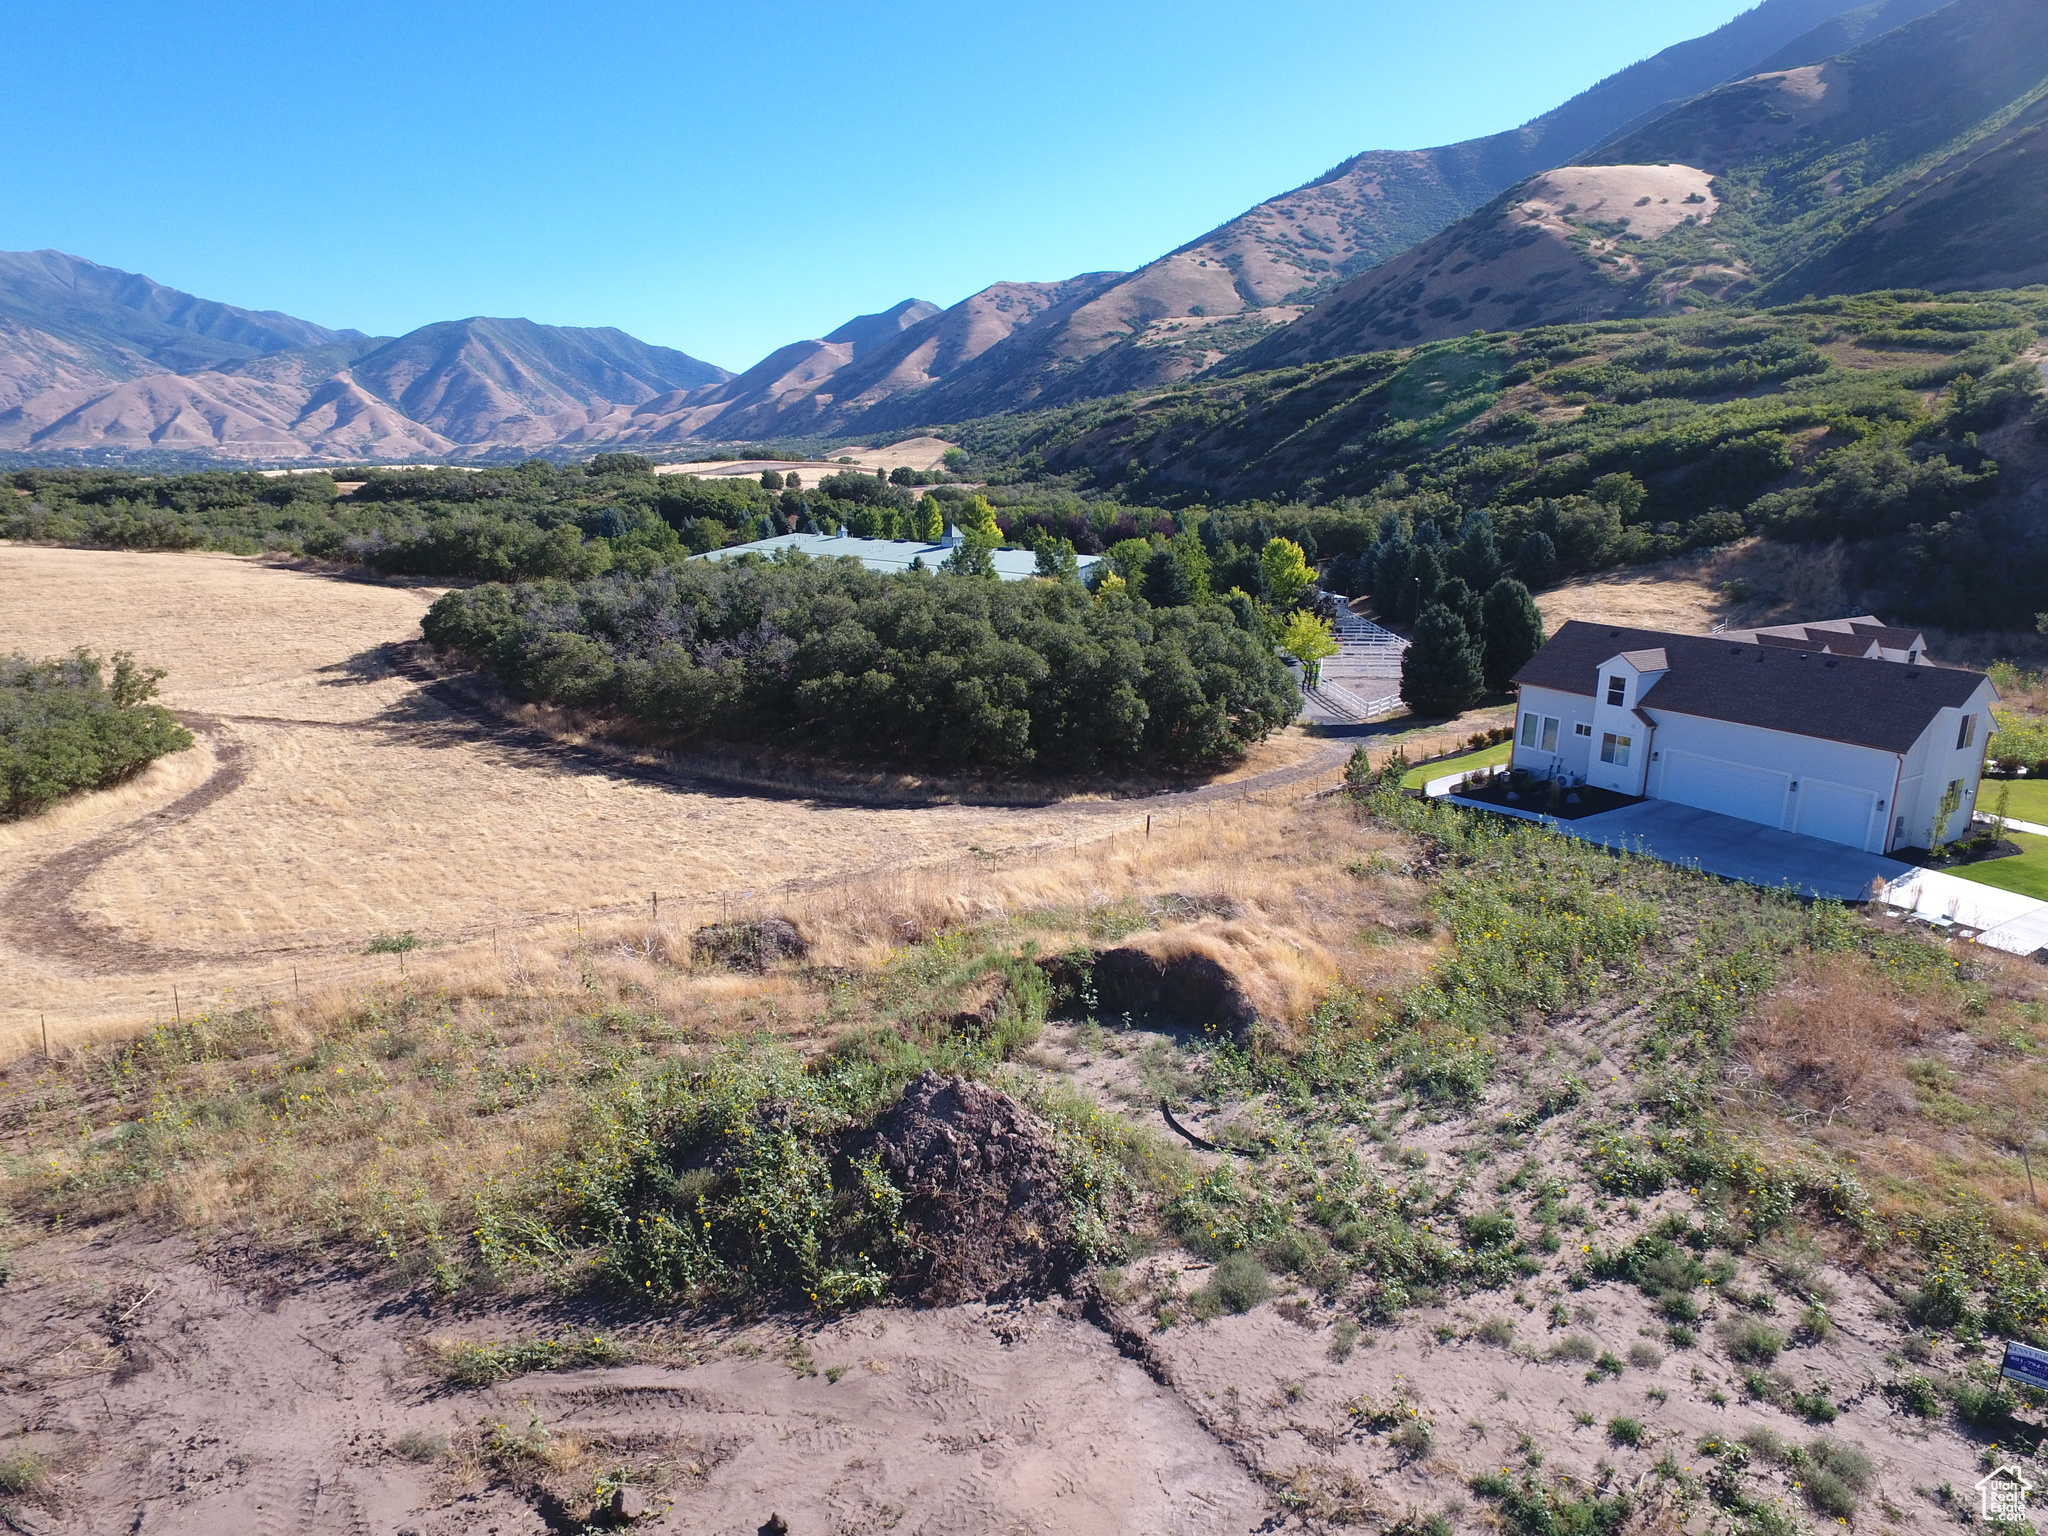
1617,690
1967,732
1532,725
1549,733
1582,729
1614,749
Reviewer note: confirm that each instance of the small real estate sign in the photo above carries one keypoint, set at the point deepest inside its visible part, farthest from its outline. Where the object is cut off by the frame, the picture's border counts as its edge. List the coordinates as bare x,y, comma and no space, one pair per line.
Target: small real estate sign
2026,1365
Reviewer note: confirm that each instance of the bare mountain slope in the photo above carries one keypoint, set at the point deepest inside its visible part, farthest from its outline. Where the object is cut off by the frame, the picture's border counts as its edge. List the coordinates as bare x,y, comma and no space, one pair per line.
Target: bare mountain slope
469,384
1244,280
1972,220
125,325
1910,160
488,381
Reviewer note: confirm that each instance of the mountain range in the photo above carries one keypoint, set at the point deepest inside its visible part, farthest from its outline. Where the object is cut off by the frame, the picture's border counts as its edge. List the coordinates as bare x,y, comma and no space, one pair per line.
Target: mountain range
1803,147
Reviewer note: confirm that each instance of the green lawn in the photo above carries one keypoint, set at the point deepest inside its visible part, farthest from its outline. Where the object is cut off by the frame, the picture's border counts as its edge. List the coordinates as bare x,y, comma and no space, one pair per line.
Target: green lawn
1488,757
2029,798
2026,875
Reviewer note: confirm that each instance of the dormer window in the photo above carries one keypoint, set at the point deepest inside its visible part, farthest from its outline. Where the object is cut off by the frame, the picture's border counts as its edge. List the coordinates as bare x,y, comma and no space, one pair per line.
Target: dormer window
1617,690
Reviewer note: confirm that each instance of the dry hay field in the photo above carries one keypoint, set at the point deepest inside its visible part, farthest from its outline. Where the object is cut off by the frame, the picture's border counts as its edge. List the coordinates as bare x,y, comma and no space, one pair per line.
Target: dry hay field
335,797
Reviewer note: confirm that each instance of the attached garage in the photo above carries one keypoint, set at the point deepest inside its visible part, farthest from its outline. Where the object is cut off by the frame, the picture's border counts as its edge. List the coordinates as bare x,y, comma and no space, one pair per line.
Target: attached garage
1733,789
1838,812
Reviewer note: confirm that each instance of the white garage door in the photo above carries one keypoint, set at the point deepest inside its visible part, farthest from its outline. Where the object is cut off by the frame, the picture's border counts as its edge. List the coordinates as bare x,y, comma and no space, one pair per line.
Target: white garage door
1733,789
1837,812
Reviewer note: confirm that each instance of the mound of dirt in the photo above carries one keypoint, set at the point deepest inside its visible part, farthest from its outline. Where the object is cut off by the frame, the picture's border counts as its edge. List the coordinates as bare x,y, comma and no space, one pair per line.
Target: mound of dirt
984,1208
749,946
1187,987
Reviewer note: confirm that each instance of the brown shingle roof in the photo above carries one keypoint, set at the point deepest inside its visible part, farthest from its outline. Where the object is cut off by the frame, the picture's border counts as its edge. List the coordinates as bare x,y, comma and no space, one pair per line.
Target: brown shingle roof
1882,704
1845,637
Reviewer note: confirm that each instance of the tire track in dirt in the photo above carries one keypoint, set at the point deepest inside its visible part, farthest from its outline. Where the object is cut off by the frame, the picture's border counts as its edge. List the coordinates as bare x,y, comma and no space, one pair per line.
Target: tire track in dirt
36,916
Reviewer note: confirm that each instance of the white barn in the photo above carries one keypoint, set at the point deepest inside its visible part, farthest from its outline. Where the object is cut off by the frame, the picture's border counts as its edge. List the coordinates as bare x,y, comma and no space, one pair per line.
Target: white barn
1851,748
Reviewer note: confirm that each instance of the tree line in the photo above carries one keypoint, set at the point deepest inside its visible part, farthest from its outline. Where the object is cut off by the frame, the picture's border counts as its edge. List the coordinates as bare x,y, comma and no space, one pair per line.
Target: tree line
933,670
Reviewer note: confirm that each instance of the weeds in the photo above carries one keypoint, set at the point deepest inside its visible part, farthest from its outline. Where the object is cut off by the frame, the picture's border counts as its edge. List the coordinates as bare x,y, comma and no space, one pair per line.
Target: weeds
23,1474
421,1445
466,1364
1751,1342
1238,1284
1529,1508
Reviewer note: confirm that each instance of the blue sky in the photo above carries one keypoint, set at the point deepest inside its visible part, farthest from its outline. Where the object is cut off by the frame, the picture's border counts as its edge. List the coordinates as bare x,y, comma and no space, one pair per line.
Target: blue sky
725,179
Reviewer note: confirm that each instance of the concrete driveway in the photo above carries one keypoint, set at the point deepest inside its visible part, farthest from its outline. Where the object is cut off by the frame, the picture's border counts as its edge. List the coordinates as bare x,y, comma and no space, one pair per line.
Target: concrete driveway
1806,866
1741,850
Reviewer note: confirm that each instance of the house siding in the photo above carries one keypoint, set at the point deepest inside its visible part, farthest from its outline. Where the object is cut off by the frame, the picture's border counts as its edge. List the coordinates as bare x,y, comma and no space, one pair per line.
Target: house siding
1573,753
1934,762
1619,721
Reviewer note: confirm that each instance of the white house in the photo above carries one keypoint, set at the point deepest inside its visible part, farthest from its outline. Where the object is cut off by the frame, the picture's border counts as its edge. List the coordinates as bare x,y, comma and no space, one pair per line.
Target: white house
1854,749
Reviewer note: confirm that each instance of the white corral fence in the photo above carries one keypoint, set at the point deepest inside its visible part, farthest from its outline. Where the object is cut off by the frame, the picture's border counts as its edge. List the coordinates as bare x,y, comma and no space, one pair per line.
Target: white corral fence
1363,680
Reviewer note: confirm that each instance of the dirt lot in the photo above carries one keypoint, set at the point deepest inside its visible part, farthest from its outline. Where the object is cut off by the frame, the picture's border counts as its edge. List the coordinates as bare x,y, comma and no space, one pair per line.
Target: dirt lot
192,1392
334,798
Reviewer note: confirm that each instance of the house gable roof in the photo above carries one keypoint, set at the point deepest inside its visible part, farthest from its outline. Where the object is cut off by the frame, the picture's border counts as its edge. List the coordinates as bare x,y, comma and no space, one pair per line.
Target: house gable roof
1867,703
1863,635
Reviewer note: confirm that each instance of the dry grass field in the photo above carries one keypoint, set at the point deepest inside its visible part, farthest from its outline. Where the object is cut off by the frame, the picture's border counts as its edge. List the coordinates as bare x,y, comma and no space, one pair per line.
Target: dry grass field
333,800
175,1285
1744,584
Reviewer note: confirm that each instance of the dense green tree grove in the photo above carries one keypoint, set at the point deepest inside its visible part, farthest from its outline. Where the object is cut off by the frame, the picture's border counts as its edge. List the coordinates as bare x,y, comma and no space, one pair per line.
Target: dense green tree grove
934,670
66,726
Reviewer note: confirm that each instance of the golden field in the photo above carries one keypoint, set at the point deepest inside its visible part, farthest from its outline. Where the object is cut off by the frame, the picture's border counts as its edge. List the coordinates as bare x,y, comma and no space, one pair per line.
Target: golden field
332,799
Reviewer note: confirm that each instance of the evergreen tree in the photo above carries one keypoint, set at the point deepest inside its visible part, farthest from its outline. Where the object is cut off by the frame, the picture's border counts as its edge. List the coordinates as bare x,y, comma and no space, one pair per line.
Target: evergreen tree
1244,612
973,555
1165,583
931,526
1536,560
1425,576
1390,576
1477,558
1440,672
1513,632
1464,602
